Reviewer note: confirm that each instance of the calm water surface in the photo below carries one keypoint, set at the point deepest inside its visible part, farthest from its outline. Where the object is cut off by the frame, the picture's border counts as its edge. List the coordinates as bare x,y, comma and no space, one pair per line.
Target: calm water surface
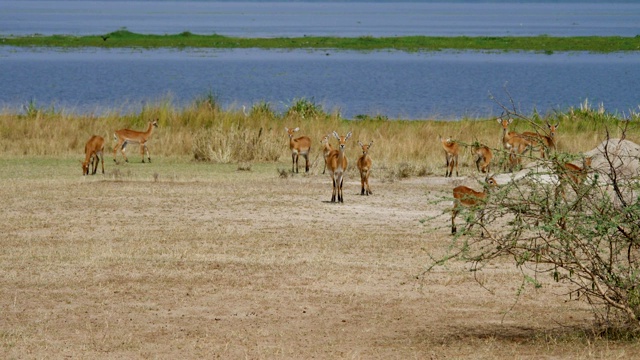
331,18
394,84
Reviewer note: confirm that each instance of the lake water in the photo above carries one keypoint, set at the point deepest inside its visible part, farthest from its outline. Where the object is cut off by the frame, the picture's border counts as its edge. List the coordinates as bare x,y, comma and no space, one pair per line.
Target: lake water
394,84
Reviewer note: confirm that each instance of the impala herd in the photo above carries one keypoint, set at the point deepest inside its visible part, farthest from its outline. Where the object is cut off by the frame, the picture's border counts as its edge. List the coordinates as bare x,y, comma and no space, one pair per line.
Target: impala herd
514,145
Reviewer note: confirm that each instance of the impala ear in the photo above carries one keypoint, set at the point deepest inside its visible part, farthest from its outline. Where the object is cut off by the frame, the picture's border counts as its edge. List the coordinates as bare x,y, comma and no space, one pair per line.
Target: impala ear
371,143
335,135
286,129
296,129
348,136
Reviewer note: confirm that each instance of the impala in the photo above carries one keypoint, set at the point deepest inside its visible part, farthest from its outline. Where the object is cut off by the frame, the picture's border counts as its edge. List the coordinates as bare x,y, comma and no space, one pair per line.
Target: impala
514,142
364,165
546,142
94,152
299,147
467,197
576,173
337,163
125,136
451,152
482,157
326,149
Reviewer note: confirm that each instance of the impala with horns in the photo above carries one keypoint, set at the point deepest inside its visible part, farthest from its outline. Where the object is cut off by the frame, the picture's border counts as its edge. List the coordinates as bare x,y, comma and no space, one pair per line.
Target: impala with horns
123,137
364,166
467,197
516,144
326,150
94,152
546,142
299,147
337,164
451,153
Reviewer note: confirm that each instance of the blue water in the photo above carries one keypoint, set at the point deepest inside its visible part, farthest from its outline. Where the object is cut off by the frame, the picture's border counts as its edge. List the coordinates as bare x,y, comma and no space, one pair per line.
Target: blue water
331,18
394,84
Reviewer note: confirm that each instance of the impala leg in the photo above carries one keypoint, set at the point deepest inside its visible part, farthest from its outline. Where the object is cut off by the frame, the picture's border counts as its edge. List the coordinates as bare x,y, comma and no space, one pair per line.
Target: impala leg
123,149
294,162
446,171
306,162
454,213
333,195
456,162
340,195
102,158
95,160
146,150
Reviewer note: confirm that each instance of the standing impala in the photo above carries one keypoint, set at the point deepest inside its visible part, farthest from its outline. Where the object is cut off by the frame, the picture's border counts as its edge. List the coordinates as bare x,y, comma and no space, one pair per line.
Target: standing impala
514,142
94,152
482,157
467,197
451,152
546,142
337,164
125,136
299,147
326,150
364,165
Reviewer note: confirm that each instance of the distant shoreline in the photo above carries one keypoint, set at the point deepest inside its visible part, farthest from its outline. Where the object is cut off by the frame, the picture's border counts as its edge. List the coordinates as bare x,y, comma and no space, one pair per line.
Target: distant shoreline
127,39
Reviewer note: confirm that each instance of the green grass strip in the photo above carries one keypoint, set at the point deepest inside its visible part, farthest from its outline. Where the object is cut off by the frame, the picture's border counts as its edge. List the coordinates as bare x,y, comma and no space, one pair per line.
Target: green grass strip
127,39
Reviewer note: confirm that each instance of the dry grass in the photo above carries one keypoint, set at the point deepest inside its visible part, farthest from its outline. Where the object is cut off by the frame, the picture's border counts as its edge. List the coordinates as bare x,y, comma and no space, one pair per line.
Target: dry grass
180,259
242,259
204,132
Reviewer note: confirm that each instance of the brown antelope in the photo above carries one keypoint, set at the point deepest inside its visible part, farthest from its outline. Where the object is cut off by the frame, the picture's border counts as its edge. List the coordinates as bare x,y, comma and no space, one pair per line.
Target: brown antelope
482,157
467,197
326,149
576,173
364,165
299,147
513,142
451,152
125,136
94,152
337,164
546,142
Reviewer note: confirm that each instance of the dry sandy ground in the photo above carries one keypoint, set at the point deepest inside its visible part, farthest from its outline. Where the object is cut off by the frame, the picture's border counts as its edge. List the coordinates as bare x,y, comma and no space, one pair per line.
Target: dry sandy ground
229,264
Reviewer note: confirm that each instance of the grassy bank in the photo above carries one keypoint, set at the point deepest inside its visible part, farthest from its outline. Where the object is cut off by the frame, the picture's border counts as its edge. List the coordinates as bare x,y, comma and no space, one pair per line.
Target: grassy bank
205,132
125,38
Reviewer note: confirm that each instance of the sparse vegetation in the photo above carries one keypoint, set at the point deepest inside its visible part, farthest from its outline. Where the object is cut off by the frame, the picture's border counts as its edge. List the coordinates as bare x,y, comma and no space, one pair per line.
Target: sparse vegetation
234,245
543,43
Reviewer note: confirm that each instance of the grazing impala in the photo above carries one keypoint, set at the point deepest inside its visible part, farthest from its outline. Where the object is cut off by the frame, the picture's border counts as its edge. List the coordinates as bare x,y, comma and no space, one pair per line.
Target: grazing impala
364,165
337,164
326,149
514,142
299,147
94,152
482,157
467,197
125,136
451,152
546,142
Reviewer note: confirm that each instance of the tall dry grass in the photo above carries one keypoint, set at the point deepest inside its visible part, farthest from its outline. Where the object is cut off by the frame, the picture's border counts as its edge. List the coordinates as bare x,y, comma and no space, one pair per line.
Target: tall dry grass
203,131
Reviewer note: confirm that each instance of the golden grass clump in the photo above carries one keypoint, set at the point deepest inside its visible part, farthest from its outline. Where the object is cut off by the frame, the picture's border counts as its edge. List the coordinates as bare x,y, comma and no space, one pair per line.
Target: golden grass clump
203,131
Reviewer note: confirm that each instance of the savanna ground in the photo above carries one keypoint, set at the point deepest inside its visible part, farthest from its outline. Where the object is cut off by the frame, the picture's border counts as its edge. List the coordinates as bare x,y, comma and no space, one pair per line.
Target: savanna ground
180,259
234,257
